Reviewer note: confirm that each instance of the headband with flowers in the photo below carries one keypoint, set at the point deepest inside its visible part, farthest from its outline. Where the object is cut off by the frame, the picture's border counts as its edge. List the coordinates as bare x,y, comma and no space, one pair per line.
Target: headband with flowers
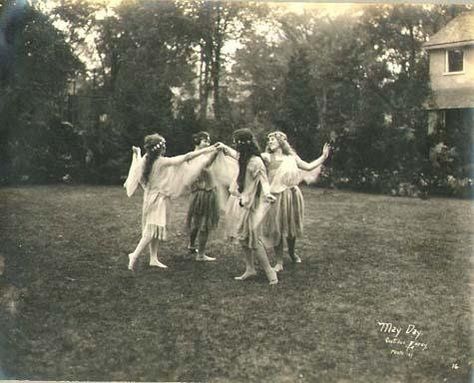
158,146
278,135
241,142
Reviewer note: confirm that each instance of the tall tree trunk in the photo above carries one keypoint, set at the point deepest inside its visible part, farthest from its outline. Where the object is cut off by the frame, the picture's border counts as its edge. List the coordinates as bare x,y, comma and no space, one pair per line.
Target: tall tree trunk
322,106
205,75
216,64
203,84
413,50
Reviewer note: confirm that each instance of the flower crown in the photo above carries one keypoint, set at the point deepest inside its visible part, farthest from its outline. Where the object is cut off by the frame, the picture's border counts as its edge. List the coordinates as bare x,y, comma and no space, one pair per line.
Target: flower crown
278,136
158,146
243,141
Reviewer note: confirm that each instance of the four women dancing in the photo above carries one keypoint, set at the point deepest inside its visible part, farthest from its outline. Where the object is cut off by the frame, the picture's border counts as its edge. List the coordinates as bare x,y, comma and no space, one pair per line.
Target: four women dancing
264,185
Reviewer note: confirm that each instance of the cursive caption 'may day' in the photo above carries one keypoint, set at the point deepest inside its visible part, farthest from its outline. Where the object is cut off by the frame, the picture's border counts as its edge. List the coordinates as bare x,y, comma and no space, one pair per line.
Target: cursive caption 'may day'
403,340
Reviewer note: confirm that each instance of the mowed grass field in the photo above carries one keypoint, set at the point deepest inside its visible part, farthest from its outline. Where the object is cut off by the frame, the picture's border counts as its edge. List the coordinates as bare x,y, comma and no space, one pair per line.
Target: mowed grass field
70,309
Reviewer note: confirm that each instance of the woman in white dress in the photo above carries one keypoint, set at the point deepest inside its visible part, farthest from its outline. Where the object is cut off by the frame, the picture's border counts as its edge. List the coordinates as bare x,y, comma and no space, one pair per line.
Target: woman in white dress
162,178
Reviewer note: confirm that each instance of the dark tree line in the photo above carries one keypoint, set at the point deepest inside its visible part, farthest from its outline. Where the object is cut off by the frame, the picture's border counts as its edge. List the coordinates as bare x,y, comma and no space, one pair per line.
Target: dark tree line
81,83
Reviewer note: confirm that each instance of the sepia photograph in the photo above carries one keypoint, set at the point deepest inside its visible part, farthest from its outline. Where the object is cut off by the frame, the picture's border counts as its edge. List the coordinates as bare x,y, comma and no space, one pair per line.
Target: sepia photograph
236,191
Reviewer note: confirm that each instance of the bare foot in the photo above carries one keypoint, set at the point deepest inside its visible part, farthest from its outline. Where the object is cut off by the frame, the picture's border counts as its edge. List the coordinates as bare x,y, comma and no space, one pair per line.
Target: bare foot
204,258
278,267
246,275
157,263
131,261
273,279
296,259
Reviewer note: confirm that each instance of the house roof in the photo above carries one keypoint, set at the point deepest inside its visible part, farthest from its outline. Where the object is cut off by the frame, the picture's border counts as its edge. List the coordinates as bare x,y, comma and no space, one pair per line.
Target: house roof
459,31
459,98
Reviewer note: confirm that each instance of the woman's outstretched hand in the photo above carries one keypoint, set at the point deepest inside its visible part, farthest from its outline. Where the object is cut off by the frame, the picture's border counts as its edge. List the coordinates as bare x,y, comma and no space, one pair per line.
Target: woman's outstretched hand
136,150
220,146
326,150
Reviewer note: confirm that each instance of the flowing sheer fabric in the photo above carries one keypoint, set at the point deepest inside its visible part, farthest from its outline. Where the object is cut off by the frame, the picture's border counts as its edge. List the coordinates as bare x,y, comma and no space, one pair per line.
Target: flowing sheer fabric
170,178
224,171
310,176
173,178
243,211
134,174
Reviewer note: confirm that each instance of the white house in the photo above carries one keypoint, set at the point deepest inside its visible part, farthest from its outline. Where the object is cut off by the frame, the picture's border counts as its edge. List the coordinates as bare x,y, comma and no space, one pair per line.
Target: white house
451,54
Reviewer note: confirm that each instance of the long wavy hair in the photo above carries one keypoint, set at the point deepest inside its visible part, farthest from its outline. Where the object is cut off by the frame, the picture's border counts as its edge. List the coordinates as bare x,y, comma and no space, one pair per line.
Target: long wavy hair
247,146
285,146
155,146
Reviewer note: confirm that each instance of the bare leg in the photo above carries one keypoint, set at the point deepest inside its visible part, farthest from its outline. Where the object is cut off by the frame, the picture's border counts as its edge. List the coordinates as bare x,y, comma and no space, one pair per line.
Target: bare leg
203,235
291,250
249,265
201,256
132,257
192,239
154,254
262,257
279,257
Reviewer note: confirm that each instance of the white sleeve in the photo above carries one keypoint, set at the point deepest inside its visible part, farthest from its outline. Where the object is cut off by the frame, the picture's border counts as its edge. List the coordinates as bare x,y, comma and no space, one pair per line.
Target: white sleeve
310,176
180,176
135,173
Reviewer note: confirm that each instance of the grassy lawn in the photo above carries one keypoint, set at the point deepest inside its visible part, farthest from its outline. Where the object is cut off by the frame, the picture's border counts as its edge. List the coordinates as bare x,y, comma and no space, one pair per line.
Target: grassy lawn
70,309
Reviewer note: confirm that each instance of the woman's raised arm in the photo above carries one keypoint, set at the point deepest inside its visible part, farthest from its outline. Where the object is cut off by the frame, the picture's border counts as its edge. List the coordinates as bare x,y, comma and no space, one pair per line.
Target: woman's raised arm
314,164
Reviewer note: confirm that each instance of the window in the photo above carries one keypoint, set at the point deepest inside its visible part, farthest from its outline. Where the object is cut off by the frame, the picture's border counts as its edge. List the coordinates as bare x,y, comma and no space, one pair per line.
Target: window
454,60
